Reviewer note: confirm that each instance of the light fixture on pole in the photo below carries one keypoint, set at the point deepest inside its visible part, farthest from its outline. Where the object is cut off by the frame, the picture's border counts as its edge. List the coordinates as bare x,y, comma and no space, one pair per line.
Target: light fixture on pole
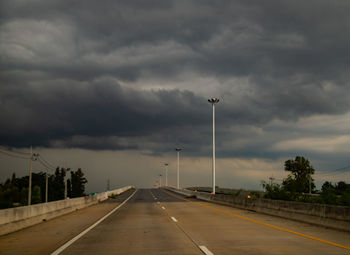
213,101
178,167
166,174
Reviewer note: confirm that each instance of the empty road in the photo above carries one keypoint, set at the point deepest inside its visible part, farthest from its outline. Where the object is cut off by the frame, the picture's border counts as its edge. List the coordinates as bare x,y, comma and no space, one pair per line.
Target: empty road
155,221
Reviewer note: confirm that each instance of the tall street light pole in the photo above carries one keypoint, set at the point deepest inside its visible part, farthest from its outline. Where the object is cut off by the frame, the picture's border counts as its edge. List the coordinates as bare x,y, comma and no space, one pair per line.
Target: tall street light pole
213,101
160,181
166,174
178,167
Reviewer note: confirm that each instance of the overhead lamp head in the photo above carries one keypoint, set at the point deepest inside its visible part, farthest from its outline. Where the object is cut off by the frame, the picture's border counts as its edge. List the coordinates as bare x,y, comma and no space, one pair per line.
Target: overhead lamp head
213,100
178,149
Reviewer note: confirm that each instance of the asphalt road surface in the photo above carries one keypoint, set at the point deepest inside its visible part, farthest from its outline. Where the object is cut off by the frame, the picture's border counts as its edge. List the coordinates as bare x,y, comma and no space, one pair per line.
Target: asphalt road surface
155,221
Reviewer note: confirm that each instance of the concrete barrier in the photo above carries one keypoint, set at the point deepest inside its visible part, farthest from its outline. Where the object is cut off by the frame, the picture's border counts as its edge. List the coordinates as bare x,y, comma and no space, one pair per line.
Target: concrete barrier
330,216
17,218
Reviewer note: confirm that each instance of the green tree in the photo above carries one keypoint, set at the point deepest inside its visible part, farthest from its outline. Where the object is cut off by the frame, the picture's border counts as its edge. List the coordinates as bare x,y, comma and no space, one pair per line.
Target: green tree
39,179
15,194
5,199
36,195
337,194
275,191
341,187
24,196
69,188
299,179
57,185
78,182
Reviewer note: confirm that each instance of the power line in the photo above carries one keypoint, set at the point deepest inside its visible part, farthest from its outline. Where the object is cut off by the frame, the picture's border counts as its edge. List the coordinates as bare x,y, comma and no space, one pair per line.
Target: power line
13,155
48,163
19,152
45,165
11,150
337,171
330,174
35,156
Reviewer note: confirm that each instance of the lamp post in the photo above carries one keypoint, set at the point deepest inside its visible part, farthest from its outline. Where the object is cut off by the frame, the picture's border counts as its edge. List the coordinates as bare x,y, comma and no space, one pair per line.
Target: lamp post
178,166
160,180
213,101
166,174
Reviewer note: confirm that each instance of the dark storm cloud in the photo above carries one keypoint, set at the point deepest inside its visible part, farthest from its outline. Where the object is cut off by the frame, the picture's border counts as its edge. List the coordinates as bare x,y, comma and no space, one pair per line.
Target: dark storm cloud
62,63
65,109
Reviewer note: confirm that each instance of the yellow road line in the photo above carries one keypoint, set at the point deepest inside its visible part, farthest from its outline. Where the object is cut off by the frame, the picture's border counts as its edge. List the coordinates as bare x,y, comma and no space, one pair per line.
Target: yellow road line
260,222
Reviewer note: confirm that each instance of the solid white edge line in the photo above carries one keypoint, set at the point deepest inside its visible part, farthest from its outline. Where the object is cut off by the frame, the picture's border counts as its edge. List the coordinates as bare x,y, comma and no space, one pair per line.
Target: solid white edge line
205,250
175,220
67,244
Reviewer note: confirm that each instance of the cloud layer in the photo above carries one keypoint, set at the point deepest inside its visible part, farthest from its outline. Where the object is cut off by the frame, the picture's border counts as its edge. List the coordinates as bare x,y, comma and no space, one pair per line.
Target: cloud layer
126,75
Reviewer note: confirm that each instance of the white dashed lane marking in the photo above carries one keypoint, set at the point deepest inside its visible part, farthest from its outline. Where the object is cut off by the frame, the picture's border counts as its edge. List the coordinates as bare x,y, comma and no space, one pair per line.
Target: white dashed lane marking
205,250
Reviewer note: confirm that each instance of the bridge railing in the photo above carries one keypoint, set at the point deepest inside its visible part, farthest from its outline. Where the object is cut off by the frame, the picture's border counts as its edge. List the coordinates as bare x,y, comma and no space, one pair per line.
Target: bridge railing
330,216
17,218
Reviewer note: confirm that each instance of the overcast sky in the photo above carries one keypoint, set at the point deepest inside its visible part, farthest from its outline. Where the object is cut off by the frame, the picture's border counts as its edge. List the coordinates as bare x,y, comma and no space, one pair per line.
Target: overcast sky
114,86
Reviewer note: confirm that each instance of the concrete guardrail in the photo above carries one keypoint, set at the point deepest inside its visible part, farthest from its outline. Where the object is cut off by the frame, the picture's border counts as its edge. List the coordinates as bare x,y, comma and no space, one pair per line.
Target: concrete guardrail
330,216
17,218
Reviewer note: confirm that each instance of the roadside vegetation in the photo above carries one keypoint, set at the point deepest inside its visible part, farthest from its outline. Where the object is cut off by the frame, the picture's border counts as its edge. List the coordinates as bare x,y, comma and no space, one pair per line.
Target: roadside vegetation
14,191
299,186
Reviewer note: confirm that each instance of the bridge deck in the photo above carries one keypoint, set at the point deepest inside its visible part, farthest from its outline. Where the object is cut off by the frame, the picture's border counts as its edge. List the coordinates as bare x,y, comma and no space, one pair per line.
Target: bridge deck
158,222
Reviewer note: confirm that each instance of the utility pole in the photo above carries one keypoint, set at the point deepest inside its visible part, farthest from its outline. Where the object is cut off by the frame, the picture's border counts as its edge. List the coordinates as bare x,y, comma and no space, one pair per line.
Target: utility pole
271,180
108,185
30,177
213,101
33,157
166,174
178,167
46,187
